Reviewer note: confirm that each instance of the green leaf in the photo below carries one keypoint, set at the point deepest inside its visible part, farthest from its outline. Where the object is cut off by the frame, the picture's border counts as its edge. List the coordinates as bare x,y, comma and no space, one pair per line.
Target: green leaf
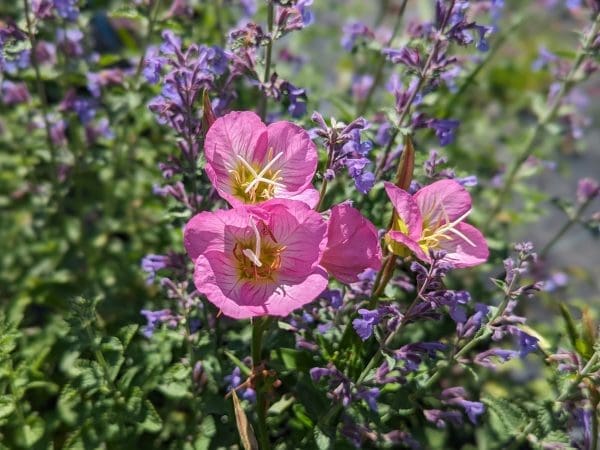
31,431
570,324
7,405
293,359
152,421
126,333
507,418
322,440
125,12
67,404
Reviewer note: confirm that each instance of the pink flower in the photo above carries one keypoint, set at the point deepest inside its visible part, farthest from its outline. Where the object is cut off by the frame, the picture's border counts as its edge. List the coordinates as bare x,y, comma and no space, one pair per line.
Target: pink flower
433,219
249,162
256,261
352,244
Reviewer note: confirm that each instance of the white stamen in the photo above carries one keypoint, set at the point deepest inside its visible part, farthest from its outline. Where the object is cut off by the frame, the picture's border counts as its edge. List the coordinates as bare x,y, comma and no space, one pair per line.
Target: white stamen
254,256
462,236
248,166
260,176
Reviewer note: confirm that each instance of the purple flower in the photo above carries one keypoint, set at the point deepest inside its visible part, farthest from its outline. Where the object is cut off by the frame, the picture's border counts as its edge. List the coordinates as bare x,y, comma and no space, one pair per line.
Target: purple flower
42,9
441,418
361,86
70,41
14,93
365,324
234,380
364,182
334,297
45,53
444,129
473,409
96,81
486,359
408,56
370,396
151,264
156,318
101,129
67,9
587,189
297,98
413,354
352,32
248,7
527,344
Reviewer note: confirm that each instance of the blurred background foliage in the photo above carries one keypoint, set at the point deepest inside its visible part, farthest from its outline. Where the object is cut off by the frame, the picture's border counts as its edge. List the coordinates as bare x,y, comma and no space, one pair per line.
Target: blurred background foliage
83,234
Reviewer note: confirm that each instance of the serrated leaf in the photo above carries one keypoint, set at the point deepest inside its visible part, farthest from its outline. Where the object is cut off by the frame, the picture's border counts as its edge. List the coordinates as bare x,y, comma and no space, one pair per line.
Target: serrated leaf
125,12
322,440
126,333
245,430
507,418
152,420
67,404
31,431
7,405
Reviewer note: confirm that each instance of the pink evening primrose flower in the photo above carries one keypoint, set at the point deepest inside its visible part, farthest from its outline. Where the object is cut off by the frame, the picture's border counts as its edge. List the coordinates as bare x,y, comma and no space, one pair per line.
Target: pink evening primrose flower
255,261
433,219
352,244
249,162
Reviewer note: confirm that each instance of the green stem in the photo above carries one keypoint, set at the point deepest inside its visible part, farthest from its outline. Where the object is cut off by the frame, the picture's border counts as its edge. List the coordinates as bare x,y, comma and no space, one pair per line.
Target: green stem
41,91
259,326
572,221
529,146
498,43
381,63
482,335
263,100
423,76
561,398
151,23
323,189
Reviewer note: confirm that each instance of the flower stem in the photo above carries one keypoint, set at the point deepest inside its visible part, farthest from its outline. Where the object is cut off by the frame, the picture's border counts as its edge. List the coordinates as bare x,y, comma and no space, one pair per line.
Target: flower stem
482,335
41,91
151,22
381,63
529,145
423,76
498,43
561,398
263,100
323,189
572,221
259,326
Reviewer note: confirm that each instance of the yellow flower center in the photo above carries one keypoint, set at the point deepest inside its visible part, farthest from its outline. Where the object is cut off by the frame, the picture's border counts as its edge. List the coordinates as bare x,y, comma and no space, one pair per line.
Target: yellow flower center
258,259
253,184
431,236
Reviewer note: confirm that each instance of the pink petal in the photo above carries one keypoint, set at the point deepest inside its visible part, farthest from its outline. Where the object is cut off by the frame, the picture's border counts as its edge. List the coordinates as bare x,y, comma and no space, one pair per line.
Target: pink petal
412,245
462,253
310,196
443,201
293,293
352,244
214,231
407,210
299,161
236,133
303,232
216,278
